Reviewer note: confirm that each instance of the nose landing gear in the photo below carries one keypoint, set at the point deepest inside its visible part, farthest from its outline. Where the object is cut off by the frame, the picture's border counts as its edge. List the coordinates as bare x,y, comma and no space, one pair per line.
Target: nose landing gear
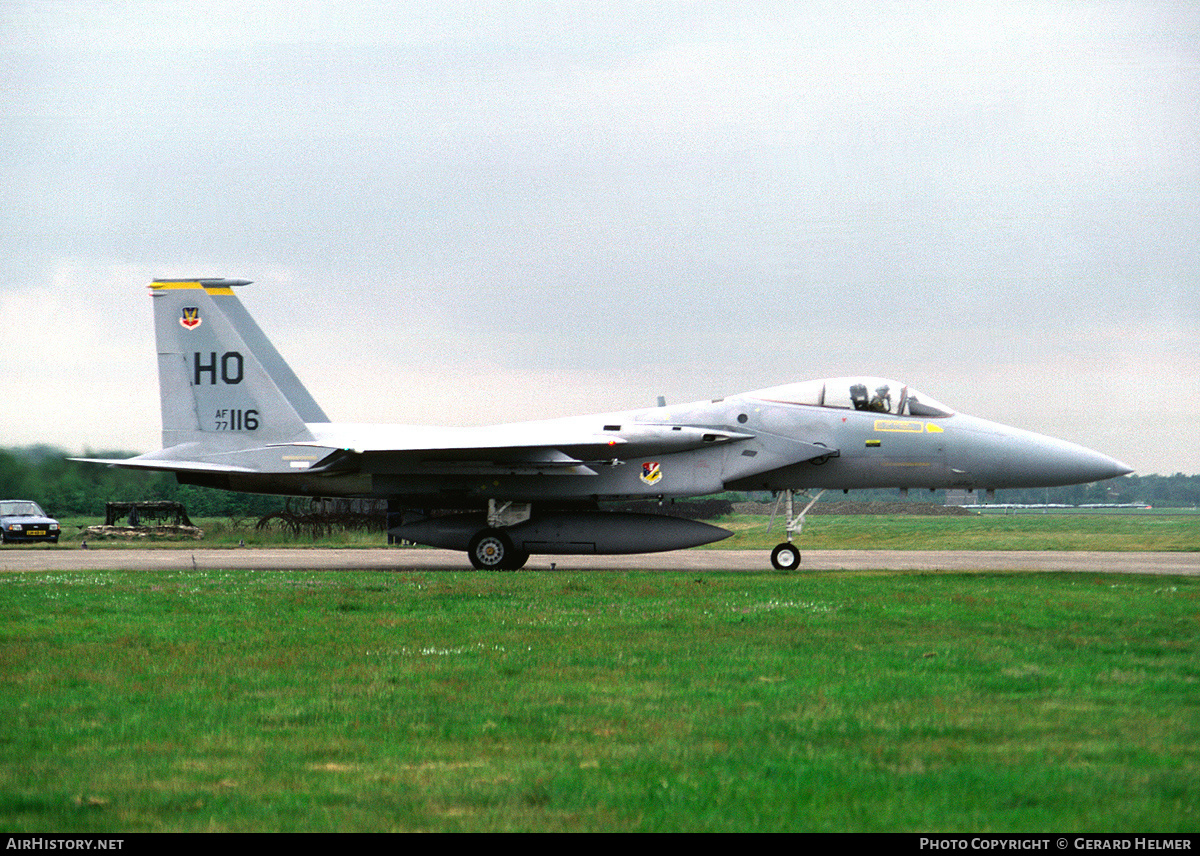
786,556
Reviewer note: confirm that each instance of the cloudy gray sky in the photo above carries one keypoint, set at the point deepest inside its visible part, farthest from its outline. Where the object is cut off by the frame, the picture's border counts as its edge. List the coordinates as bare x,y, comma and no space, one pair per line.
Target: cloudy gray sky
463,213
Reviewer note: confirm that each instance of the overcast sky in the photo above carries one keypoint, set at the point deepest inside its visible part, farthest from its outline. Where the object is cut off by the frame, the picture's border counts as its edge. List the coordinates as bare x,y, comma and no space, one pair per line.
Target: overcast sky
464,213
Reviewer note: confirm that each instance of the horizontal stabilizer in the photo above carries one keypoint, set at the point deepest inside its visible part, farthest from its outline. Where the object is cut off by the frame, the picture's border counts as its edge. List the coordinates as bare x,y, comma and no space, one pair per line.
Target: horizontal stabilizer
166,465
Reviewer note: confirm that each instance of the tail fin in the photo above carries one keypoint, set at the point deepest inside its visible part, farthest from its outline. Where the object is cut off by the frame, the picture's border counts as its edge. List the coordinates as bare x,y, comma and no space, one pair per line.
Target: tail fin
218,374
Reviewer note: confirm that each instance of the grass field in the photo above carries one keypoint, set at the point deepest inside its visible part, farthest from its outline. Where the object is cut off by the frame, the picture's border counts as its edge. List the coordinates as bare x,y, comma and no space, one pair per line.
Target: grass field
620,701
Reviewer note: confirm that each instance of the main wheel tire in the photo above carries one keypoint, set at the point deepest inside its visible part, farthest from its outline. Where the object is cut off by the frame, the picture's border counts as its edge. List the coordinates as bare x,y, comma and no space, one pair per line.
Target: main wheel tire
785,557
517,560
493,550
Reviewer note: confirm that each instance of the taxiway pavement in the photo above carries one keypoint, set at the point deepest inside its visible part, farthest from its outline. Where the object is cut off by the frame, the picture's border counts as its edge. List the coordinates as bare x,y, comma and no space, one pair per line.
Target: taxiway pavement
688,561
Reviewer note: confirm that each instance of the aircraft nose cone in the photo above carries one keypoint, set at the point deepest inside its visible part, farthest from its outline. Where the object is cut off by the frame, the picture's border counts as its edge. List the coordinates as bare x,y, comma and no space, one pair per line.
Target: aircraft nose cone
1057,462
1085,465
1062,463
1000,456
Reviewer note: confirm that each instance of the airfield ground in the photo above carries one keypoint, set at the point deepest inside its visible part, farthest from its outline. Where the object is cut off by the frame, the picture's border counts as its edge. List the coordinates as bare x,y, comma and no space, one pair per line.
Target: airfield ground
368,689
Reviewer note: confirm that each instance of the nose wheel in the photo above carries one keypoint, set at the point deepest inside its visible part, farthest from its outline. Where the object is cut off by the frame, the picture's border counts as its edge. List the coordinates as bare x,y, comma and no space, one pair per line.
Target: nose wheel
785,557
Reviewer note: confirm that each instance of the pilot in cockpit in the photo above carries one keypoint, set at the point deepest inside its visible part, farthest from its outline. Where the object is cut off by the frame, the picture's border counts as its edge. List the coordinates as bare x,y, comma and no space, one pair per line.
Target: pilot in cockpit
880,402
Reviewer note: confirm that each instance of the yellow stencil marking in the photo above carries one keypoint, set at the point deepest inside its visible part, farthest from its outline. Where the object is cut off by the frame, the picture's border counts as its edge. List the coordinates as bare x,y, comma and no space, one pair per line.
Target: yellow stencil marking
901,426
173,286
178,286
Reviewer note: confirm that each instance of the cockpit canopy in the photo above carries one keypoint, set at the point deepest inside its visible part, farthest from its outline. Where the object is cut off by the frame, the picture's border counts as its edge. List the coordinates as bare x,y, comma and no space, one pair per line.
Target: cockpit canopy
871,394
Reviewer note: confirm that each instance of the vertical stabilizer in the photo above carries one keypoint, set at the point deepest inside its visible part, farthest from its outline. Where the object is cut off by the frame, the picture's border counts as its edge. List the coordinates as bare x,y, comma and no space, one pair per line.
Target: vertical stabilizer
258,343
219,378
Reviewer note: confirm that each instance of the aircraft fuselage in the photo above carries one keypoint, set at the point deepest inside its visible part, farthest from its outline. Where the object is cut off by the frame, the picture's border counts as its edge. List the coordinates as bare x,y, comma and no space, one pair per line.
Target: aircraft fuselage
866,450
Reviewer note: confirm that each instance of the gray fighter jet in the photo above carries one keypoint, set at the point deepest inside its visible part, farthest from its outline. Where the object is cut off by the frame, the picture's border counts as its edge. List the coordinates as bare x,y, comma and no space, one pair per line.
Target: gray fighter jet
235,417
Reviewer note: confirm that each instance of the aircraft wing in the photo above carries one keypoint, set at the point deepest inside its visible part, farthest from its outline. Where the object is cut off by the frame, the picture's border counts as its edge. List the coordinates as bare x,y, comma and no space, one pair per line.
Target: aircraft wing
633,437
529,448
467,461
323,460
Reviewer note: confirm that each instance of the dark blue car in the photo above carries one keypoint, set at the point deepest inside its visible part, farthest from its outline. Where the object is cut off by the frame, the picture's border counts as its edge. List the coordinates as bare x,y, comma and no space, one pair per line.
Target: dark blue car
23,520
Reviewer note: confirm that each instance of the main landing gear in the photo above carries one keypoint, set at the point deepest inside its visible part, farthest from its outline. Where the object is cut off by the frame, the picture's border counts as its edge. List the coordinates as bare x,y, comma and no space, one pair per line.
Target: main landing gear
786,556
493,550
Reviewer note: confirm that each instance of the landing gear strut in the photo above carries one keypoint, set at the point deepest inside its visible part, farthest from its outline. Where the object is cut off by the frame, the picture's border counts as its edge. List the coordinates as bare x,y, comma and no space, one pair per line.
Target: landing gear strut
786,556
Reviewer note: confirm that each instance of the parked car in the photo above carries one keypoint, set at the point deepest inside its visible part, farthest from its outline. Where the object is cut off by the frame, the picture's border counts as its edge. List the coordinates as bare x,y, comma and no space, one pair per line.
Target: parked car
23,520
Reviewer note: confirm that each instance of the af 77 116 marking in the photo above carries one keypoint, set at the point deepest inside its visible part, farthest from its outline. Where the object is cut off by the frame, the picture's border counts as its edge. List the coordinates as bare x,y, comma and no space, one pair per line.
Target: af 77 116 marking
236,417
236,420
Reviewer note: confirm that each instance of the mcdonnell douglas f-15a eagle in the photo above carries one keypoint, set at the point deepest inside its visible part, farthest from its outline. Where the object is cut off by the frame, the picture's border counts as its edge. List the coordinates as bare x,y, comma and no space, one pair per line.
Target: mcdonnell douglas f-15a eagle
235,417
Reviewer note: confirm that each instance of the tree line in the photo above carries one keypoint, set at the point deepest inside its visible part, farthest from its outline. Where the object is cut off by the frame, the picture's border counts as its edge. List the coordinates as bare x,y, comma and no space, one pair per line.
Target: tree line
66,488
71,489
1174,491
